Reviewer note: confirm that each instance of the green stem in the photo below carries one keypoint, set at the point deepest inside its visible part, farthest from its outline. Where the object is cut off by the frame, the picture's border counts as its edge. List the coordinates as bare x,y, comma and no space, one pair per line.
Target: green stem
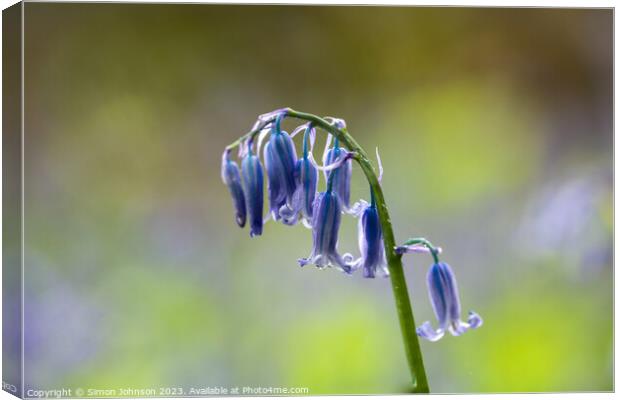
399,284
434,250
395,266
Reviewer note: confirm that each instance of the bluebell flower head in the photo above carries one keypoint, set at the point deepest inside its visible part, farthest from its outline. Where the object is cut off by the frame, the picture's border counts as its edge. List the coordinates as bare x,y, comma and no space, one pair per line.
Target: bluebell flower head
444,296
325,226
342,174
232,179
252,172
280,162
370,238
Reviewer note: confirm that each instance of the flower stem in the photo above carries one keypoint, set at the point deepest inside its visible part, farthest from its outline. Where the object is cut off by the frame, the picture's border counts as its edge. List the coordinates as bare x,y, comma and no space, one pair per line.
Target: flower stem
421,241
395,266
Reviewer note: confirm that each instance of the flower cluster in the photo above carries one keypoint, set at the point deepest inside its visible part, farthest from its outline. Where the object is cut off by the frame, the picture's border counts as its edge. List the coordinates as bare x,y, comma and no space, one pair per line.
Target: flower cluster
293,197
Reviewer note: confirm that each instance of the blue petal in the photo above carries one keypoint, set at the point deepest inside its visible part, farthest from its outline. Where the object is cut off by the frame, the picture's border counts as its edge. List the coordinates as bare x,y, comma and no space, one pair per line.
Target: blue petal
276,192
326,223
308,179
427,332
284,159
454,304
232,179
289,216
252,172
458,327
474,320
439,293
370,240
342,174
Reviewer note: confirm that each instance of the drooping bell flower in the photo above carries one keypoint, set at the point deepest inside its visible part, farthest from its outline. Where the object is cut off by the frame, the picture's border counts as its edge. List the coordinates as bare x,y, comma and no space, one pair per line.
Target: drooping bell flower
252,172
326,215
370,235
370,240
307,177
275,193
342,175
444,296
280,162
232,179
306,180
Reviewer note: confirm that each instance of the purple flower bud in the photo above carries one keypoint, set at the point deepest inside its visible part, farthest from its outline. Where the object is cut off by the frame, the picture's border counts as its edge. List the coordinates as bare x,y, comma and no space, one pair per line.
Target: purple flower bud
252,172
232,179
444,296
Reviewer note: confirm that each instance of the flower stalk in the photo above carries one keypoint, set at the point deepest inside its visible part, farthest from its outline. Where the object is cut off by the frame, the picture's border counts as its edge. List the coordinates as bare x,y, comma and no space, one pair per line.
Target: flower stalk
395,266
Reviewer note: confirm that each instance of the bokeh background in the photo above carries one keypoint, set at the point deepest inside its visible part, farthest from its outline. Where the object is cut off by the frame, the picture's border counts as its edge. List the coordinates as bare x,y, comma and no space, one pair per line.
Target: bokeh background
495,129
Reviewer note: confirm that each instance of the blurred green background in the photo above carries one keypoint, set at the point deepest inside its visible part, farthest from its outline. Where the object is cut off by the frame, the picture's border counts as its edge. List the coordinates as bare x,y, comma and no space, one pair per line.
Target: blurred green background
495,129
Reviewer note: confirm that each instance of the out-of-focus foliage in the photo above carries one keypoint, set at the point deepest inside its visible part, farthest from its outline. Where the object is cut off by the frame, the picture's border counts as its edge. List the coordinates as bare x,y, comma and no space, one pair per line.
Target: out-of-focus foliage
495,130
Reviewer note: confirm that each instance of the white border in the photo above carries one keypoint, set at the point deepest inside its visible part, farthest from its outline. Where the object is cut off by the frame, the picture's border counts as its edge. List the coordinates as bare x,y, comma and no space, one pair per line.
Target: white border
453,3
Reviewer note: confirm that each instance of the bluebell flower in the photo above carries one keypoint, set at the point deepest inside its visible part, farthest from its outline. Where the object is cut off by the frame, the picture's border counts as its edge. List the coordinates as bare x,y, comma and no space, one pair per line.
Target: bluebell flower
307,176
342,174
444,296
252,172
232,179
326,217
306,180
280,162
370,235
276,194
370,240
325,227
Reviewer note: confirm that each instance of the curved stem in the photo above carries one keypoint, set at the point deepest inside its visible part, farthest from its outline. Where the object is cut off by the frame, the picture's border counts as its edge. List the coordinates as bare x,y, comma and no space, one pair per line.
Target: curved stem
433,249
399,284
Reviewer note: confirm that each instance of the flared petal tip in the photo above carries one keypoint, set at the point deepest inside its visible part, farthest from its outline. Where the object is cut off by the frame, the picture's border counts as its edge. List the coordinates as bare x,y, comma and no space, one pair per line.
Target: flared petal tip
457,328
369,273
240,219
356,209
306,223
474,320
256,232
427,332
346,263
346,269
